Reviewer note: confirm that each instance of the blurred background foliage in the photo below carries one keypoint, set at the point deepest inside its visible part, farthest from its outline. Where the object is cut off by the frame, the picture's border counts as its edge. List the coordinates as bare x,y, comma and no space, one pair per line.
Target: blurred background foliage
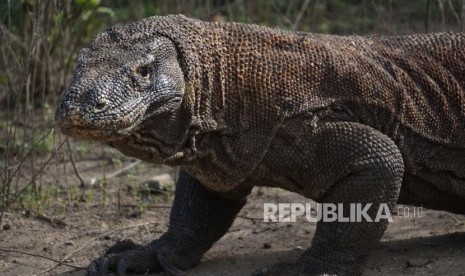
40,41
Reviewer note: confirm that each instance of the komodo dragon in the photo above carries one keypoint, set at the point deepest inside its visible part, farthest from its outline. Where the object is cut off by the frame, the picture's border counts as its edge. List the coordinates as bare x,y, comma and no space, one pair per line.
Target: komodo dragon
338,119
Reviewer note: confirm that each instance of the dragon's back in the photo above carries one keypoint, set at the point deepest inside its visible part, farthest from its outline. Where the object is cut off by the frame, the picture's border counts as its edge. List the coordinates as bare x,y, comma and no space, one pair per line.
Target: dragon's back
427,74
410,82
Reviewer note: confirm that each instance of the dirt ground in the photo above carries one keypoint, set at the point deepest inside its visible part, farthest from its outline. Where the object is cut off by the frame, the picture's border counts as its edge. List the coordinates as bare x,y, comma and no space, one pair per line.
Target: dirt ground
77,231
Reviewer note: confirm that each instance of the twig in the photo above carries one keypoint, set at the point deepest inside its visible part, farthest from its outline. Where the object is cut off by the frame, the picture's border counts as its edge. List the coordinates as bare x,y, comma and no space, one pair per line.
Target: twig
91,240
462,15
106,234
5,32
428,8
118,172
284,16
148,207
443,13
301,13
262,230
147,230
250,218
54,222
36,175
71,158
455,13
39,256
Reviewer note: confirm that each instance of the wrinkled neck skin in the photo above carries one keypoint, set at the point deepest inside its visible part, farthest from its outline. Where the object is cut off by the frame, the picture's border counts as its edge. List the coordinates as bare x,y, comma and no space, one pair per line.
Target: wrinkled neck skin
243,85
158,139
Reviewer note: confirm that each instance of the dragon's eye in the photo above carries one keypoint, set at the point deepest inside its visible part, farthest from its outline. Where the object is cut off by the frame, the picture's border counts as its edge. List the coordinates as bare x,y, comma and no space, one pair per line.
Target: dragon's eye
143,71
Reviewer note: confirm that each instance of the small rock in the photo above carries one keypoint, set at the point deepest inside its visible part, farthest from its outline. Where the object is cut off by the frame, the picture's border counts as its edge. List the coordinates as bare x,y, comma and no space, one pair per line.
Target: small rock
6,227
69,243
134,214
418,262
266,245
159,184
298,247
26,213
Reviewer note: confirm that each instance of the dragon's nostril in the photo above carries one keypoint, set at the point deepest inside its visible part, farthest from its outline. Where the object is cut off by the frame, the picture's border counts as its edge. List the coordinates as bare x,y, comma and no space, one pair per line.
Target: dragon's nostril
60,108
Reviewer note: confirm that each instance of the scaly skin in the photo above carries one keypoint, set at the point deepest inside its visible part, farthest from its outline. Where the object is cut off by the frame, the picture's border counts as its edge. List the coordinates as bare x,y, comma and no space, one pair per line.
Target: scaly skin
336,119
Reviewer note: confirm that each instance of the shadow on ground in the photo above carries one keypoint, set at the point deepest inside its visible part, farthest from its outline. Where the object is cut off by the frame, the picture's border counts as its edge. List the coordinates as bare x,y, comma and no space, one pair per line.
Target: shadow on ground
435,255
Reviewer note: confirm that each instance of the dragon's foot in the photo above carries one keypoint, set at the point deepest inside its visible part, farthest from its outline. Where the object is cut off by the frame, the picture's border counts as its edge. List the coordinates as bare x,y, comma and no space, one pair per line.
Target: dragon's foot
127,256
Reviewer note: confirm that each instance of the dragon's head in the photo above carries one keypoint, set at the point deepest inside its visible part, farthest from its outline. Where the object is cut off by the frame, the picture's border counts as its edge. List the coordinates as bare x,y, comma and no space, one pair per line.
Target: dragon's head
120,82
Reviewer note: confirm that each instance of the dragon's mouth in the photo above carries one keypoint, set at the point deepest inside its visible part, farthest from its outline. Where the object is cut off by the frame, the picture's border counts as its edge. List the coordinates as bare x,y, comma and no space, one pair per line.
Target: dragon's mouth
101,135
104,126
104,130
